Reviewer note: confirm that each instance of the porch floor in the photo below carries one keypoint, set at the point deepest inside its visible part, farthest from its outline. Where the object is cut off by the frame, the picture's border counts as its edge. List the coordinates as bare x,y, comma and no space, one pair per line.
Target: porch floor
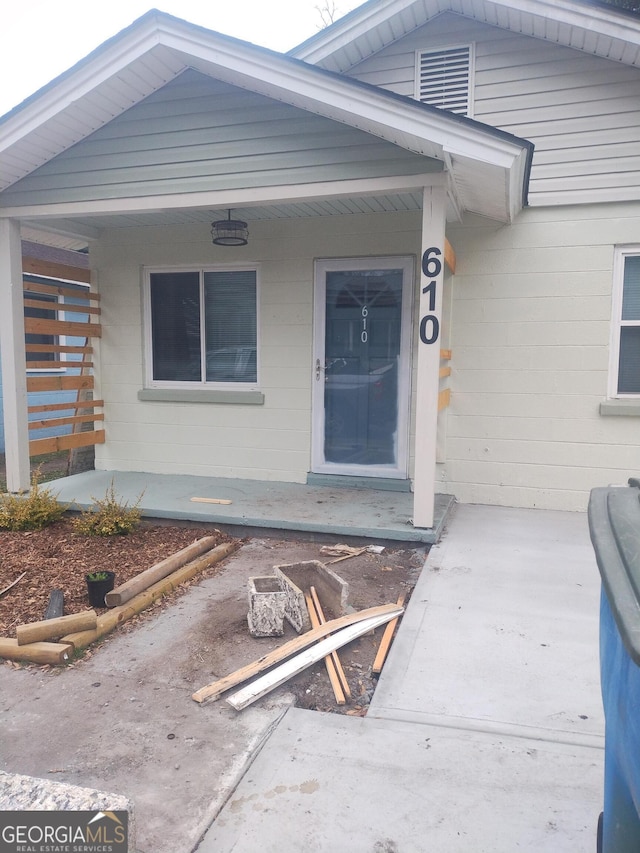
294,508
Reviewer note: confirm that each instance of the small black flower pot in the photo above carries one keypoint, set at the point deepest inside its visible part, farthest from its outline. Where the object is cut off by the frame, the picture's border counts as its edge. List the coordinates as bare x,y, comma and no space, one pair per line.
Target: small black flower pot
97,589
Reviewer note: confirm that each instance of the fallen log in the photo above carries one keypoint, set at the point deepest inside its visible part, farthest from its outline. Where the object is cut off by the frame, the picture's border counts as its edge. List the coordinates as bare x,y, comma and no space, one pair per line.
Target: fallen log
217,688
126,591
117,615
55,607
270,680
51,653
50,629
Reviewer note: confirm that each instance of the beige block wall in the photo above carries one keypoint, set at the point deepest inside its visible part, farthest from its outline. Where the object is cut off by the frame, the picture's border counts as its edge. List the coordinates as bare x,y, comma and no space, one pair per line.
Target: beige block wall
267,442
530,340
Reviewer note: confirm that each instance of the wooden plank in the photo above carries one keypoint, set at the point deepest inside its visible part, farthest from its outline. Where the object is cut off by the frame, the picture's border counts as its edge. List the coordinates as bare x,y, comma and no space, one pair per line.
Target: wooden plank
52,653
385,642
53,348
62,306
444,397
57,365
217,688
334,655
211,500
449,256
270,680
51,269
39,446
338,692
51,629
37,326
76,419
59,407
444,372
126,591
445,354
58,383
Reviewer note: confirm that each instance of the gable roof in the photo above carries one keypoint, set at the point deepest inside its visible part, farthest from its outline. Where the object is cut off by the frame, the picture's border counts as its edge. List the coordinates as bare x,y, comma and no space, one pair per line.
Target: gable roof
595,28
158,47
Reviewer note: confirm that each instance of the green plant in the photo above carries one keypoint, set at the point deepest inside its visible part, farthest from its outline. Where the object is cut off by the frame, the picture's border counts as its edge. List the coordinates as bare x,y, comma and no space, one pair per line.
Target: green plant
31,511
97,576
108,516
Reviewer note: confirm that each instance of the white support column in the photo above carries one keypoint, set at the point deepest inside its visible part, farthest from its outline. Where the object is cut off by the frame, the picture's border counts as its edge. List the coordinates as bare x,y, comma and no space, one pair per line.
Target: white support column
14,370
429,343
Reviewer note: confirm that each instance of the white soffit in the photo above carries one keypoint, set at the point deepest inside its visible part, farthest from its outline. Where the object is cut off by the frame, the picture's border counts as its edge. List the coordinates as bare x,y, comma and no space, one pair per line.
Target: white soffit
598,29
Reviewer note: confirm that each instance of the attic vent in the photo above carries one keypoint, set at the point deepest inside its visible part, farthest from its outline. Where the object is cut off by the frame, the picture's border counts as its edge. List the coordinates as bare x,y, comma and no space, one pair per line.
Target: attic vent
444,79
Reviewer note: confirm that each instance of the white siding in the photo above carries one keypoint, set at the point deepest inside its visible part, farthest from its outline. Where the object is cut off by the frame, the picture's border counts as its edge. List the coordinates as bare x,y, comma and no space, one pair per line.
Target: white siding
581,112
270,441
530,341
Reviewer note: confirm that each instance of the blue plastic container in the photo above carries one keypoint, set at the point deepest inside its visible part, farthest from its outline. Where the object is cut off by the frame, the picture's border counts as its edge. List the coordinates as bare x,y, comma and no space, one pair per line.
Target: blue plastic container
614,523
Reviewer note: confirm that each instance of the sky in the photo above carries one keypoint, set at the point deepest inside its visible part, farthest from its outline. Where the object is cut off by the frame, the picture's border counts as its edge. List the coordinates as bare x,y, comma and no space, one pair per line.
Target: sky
40,39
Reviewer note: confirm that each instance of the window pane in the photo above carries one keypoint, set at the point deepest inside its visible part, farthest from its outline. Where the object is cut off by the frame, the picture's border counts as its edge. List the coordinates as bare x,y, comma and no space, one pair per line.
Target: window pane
175,325
629,368
231,324
631,292
37,338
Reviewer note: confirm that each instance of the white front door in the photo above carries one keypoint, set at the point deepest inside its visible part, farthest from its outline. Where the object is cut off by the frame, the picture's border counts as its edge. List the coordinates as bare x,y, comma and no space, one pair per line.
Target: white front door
361,384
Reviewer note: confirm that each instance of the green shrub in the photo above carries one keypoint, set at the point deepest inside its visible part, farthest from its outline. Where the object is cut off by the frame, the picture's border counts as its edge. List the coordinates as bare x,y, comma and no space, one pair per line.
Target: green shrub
32,511
108,516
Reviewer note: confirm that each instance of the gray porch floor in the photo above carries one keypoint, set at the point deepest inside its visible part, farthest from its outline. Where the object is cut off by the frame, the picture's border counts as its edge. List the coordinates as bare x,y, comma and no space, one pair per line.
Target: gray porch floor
258,505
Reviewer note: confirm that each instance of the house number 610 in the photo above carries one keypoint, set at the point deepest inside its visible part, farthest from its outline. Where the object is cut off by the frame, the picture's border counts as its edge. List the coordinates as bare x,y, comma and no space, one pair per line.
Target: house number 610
431,267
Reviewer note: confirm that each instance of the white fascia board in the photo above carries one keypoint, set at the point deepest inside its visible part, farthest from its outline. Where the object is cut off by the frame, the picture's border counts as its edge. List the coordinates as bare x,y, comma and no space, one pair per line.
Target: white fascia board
74,85
37,215
606,21
399,120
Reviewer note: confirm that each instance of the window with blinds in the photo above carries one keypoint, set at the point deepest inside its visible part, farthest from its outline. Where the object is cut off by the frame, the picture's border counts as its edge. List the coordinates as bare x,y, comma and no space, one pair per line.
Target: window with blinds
444,79
203,327
629,330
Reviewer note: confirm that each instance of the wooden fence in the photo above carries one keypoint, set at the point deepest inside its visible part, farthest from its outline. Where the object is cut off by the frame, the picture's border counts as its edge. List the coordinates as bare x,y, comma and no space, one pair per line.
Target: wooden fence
49,300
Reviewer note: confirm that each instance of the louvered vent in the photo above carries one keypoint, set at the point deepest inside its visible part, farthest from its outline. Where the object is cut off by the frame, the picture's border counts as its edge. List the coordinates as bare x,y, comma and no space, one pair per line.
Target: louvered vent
444,78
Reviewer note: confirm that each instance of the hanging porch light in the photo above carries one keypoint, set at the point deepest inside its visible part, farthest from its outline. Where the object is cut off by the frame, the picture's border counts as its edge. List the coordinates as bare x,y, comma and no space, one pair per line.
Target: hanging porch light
229,232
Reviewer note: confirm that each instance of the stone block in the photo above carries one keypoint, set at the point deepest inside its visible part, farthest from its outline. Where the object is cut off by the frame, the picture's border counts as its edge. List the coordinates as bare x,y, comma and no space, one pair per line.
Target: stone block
297,579
267,602
28,793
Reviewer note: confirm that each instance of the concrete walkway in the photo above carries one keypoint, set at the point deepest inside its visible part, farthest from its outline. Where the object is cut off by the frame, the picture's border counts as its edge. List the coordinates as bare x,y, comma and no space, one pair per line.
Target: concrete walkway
485,734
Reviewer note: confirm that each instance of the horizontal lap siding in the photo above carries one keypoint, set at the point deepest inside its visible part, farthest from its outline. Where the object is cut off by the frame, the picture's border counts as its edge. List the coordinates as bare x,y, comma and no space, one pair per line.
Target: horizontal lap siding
532,308
197,134
581,112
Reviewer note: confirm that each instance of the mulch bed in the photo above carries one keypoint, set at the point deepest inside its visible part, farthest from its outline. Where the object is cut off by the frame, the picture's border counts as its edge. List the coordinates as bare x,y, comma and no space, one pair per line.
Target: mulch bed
58,558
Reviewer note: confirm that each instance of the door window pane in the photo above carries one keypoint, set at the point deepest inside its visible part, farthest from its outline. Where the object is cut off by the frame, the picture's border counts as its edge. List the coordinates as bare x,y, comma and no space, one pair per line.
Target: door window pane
362,351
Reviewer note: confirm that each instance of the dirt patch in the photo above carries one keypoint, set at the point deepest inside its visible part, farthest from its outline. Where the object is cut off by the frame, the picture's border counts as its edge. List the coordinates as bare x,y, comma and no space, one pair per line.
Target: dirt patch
58,558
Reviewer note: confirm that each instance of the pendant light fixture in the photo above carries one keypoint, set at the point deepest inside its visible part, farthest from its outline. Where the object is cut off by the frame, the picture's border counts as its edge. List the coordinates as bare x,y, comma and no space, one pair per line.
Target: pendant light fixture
229,232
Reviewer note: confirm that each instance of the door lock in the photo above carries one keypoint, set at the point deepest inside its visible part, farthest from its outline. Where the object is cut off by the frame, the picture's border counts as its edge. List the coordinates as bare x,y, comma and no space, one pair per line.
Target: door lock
318,369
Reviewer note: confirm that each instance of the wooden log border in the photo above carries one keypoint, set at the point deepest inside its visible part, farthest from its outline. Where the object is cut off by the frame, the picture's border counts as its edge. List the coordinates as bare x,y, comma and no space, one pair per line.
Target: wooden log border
63,651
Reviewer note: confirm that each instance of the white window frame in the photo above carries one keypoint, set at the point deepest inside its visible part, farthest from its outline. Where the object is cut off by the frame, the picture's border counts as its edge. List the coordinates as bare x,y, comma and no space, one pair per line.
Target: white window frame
152,383
621,253
471,80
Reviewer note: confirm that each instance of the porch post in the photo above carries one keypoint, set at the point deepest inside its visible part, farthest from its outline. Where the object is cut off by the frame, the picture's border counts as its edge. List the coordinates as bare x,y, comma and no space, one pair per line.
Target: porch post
12,354
429,343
